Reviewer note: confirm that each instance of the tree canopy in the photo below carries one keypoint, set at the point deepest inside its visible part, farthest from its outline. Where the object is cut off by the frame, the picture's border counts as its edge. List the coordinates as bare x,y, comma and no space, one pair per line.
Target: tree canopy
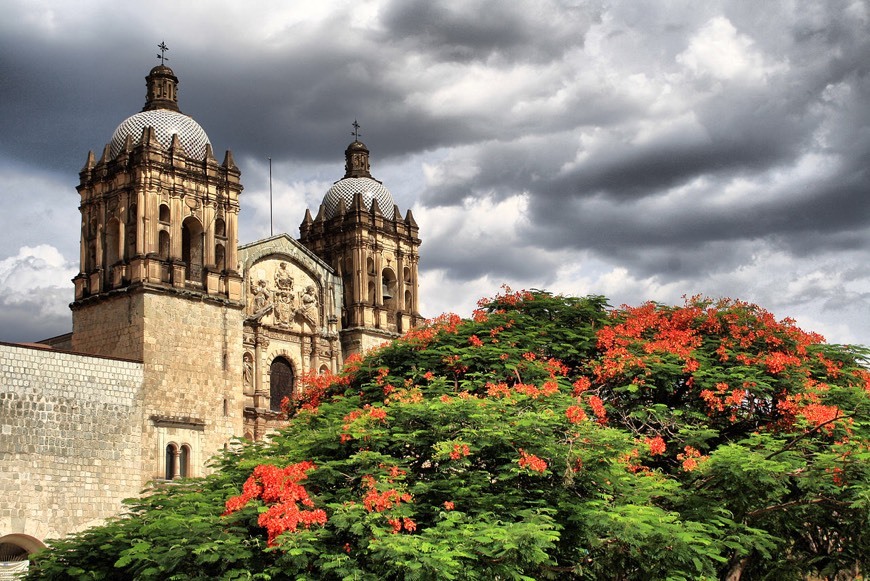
546,437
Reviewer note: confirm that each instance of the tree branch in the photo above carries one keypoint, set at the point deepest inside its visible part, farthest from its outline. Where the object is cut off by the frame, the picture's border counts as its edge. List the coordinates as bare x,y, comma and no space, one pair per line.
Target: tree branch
804,435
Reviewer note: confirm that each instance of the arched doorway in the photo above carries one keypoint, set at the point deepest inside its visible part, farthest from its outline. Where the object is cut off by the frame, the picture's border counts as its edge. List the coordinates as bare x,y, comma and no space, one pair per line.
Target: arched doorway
14,552
281,380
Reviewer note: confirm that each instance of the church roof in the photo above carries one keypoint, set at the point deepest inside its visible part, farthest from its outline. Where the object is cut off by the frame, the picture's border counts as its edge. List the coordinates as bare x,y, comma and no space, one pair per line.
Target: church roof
371,189
162,113
358,180
166,123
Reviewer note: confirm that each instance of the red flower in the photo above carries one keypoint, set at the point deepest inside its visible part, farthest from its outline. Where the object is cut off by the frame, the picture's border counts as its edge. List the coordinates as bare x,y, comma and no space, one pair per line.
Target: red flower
598,409
279,489
459,451
656,445
575,414
581,385
532,462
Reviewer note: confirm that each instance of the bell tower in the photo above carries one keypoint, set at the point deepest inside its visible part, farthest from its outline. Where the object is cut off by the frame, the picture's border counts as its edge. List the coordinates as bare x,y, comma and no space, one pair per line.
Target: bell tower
158,280
360,232
157,209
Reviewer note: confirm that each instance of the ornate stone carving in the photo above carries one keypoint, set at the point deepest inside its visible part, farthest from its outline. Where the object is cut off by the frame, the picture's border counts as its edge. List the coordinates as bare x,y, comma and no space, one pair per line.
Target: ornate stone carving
248,370
309,309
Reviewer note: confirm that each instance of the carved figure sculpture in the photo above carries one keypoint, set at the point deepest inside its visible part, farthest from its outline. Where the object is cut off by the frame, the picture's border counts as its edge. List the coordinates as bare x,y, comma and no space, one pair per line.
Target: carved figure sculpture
261,295
309,305
283,280
248,369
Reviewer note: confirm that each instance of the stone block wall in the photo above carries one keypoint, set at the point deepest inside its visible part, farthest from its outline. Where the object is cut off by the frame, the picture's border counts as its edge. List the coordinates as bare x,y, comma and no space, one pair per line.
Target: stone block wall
70,439
111,326
193,378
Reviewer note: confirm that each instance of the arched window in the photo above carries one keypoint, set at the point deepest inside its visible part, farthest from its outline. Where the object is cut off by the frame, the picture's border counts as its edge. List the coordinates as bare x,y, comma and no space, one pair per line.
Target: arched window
113,238
388,280
163,242
408,298
220,228
372,297
184,461
280,382
191,248
220,259
164,213
407,275
171,453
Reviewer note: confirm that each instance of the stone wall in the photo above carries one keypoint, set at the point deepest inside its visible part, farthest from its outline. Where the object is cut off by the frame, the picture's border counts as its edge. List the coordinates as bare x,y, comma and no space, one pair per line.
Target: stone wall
110,325
69,439
193,378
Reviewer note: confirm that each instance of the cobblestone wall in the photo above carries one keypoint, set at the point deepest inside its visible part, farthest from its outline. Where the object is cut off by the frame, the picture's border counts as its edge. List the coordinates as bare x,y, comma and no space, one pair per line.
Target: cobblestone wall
70,439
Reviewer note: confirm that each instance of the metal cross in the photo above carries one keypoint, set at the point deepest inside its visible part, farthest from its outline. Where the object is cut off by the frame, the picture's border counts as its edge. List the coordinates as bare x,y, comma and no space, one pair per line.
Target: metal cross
355,131
162,56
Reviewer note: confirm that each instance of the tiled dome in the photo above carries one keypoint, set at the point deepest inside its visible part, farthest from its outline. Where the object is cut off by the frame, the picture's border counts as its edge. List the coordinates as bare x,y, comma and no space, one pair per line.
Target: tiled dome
165,124
370,189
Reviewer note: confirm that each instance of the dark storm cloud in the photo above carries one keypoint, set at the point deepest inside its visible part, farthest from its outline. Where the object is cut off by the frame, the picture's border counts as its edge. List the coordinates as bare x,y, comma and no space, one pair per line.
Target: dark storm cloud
482,29
679,141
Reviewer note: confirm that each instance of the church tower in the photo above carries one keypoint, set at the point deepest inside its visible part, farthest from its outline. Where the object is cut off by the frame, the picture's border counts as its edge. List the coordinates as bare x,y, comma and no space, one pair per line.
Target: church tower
158,281
360,232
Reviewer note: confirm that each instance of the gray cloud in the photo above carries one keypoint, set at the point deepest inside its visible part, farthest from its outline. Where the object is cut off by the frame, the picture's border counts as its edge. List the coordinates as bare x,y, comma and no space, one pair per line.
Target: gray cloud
677,147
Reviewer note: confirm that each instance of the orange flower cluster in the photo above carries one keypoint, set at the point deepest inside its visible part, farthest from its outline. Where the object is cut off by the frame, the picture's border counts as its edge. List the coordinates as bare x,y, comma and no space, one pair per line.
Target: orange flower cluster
314,386
475,341
422,336
656,445
375,501
402,523
279,488
575,414
532,462
508,298
690,458
598,409
379,501
581,385
367,413
459,451
718,401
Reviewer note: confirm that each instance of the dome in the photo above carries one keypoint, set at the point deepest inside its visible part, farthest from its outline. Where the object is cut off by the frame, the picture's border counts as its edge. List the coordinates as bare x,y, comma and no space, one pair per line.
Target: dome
166,123
370,189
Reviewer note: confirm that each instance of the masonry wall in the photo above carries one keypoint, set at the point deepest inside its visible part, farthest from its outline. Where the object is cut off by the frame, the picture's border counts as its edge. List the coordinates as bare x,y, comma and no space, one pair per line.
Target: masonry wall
70,439
193,386
111,325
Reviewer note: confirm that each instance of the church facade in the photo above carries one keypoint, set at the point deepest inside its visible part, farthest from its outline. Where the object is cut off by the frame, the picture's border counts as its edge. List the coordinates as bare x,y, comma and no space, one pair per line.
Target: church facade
183,339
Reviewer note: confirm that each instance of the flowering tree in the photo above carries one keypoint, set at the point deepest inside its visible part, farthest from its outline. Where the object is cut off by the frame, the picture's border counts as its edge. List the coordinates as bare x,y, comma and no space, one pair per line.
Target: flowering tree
546,437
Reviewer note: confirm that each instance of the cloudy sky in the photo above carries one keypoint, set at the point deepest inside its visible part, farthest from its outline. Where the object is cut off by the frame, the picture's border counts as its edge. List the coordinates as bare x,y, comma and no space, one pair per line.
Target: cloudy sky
638,149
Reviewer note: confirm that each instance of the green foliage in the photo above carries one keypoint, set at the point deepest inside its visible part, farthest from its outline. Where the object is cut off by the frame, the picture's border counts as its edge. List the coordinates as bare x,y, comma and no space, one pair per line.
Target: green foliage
548,437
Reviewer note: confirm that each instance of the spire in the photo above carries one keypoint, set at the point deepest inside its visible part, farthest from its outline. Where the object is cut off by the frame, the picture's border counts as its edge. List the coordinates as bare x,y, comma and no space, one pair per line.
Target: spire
356,156
162,85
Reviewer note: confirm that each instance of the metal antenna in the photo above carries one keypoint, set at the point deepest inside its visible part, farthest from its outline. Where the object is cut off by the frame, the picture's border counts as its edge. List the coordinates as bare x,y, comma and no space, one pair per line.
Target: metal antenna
162,56
271,232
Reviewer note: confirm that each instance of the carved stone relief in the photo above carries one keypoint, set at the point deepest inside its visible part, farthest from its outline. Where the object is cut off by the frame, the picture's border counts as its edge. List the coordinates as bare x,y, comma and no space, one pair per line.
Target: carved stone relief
282,295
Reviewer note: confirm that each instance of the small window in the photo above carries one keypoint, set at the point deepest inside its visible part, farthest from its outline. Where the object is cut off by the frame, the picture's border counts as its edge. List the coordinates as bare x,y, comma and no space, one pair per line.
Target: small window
220,228
164,213
171,454
184,461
